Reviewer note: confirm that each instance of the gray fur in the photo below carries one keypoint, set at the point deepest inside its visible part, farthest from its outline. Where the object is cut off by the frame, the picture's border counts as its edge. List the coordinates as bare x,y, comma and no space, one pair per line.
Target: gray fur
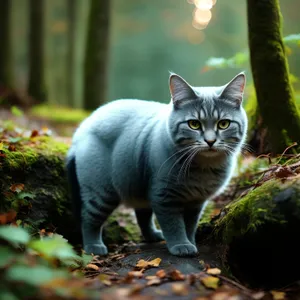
145,155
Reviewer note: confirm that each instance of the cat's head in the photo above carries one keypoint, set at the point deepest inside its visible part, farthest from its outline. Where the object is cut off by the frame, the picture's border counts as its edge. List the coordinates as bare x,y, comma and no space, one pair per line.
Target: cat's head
209,118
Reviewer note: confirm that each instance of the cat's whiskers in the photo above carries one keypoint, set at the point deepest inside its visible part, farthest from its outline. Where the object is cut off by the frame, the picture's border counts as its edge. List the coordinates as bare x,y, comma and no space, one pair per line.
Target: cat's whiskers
181,156
186,163
244,146
177,152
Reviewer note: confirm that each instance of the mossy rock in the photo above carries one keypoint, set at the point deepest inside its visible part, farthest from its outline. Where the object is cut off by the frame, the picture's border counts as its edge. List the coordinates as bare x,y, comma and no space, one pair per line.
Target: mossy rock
258,235
33,183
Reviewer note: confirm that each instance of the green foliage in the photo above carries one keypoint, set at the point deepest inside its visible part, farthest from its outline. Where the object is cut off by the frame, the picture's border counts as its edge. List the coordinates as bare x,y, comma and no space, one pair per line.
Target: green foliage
292,39
16,111
40,263
55,247
240,59
14,235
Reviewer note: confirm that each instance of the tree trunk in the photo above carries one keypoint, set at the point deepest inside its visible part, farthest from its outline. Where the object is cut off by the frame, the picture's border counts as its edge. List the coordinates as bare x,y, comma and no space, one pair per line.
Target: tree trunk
36,85
5,48
270,74
72,7
96,55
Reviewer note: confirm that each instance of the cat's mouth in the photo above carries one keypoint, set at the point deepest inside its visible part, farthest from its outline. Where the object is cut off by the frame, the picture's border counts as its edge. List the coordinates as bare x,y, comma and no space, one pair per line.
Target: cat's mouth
209,152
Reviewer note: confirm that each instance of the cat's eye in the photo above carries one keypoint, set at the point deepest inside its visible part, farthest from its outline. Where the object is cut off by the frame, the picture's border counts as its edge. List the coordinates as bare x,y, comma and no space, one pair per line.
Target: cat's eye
223,124
194,124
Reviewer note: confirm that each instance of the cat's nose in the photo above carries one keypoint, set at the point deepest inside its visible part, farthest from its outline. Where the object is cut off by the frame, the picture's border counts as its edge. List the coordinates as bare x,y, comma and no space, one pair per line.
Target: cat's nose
210,142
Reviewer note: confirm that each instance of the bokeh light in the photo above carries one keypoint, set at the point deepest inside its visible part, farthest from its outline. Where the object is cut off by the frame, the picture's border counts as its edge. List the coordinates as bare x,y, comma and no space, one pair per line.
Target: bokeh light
202,12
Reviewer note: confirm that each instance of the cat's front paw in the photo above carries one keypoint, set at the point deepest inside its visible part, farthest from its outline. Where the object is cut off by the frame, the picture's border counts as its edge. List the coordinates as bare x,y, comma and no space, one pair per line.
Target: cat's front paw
184,250
96,249
154,236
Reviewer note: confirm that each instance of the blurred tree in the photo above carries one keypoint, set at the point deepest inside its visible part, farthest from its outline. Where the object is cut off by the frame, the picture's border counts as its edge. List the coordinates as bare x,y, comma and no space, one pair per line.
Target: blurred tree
72,8
5,40
36,85
275,95
96,54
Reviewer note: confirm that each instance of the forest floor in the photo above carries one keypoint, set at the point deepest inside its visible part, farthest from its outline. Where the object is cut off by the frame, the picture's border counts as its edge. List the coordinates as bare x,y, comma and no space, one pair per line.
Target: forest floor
130,271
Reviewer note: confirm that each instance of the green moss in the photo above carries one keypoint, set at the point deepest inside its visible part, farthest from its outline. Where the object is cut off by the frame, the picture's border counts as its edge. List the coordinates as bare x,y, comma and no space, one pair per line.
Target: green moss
121,227
251,108
15,160
49,146
250,212
59,114
207,213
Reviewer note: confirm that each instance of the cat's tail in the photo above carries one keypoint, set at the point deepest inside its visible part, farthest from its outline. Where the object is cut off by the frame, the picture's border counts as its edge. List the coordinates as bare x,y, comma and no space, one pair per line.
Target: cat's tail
74,187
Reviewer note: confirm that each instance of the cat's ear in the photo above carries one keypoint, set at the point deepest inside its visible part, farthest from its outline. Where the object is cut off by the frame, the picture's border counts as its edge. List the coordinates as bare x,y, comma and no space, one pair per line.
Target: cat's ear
180,89
234,90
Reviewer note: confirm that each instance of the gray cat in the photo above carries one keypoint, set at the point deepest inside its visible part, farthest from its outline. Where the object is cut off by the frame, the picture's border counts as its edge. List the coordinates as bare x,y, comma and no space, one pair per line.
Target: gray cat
166,159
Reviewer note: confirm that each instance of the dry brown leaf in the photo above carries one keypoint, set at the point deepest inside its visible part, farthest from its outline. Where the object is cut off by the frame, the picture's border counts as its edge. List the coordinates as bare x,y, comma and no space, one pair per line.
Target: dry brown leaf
17,187
278,295
154,281
12,147
92,266
7,217
34,133
105,279
161,274
192,279
143,264
284,172
210,282
150,277
221,296
259,295
213,271
176,275
137,274
180,289
136,289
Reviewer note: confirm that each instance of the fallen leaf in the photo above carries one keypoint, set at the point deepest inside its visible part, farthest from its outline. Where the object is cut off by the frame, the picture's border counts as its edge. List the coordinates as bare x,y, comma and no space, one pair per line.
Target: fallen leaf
128,279
7,217
136,289
180,289
143,264
283,172
1,146
161,274
150,277
92,266
104,279
137,274
213,271
278,295
12,147
259,295
34,133
210,282
17,187
154,281
192,279
176,275
221,296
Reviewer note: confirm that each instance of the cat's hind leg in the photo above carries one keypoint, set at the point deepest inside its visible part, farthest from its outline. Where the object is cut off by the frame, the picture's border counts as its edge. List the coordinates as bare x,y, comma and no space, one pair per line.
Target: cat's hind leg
145,220
98,197
95,212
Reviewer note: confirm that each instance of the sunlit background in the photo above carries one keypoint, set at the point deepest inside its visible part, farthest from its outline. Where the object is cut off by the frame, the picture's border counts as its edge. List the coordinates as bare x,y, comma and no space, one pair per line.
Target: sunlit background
148,39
